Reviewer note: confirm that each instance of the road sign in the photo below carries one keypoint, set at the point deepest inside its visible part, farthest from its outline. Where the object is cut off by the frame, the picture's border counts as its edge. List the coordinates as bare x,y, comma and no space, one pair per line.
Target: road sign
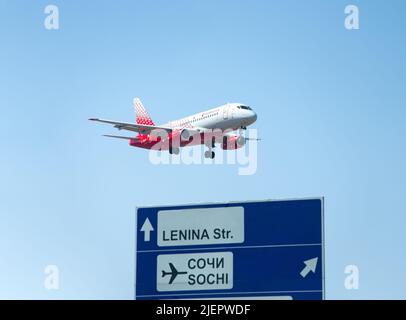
195,271
263,249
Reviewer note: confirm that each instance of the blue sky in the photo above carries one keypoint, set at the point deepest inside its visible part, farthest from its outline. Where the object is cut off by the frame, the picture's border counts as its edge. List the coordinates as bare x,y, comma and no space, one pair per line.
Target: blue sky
330,105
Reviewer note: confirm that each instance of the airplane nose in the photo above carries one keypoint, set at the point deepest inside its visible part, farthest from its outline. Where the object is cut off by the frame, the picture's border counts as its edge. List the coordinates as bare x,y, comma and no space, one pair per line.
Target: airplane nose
252,117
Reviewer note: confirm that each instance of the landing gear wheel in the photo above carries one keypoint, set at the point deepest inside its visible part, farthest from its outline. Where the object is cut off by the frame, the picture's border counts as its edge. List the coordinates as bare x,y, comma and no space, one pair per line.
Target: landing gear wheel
174,150
209,154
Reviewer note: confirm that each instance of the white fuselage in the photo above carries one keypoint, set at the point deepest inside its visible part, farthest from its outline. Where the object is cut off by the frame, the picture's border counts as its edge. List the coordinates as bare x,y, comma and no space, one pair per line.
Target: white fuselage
204,125
229,116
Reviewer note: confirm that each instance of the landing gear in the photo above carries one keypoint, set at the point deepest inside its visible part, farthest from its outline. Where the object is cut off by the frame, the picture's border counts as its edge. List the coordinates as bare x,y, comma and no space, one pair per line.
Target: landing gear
241,140
209,154
174,150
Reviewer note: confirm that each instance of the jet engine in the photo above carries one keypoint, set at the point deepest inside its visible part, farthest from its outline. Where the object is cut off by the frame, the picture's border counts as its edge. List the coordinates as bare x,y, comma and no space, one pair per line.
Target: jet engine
186,134
233,142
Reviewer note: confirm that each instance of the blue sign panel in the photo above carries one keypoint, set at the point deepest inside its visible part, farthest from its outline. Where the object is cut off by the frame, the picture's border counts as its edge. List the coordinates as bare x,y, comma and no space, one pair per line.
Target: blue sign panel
264,250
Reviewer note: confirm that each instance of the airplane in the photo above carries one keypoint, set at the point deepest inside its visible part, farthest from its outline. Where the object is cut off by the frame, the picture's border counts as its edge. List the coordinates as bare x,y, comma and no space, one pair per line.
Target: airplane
173,273
208,127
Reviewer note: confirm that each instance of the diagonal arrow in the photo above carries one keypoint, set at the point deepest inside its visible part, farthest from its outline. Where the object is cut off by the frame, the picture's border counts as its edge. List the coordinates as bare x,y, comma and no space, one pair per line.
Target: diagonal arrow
311,265
147,228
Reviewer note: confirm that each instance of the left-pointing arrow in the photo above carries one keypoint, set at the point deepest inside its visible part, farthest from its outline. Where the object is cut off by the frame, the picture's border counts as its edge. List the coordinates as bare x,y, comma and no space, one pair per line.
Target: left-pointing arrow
147,229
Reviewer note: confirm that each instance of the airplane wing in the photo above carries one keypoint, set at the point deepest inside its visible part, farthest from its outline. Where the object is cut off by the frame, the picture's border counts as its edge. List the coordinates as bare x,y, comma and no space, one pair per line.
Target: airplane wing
174,273
173,277
173,269
141,128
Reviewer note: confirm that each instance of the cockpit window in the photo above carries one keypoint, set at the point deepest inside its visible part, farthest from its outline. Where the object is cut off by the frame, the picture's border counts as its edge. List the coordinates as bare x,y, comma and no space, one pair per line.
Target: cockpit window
245,107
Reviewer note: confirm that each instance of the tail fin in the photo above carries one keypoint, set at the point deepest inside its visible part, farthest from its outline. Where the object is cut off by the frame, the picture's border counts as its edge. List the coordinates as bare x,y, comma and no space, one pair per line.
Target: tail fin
141,115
